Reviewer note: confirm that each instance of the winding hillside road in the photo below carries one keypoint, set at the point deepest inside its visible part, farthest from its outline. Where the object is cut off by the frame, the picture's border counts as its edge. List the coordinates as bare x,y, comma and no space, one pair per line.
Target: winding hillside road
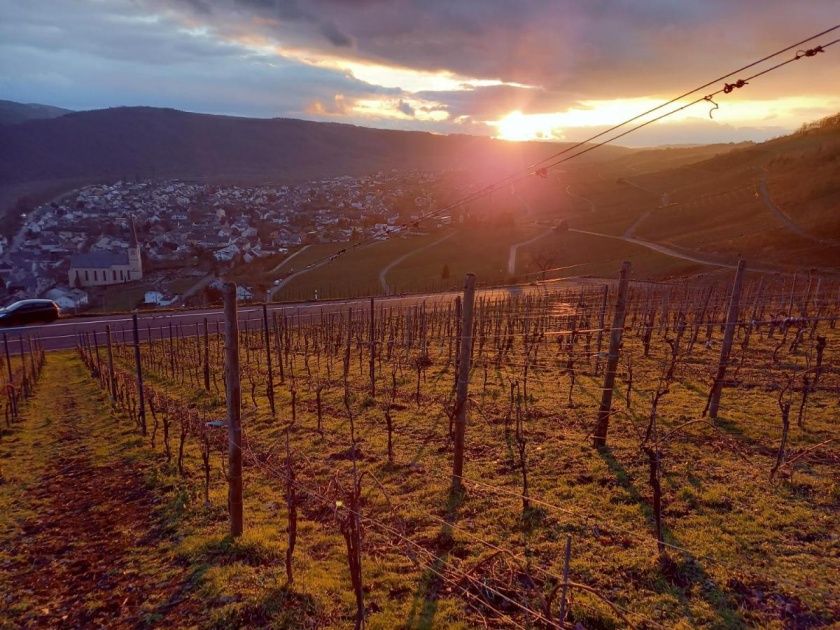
291,277
629,236
289,259
581,197
384,272
662,249
630,232
785,219
514,249
273,290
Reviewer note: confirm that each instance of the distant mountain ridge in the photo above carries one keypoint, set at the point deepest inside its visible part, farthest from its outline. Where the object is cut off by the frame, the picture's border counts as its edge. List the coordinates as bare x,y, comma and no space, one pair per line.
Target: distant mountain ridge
152,142
12,112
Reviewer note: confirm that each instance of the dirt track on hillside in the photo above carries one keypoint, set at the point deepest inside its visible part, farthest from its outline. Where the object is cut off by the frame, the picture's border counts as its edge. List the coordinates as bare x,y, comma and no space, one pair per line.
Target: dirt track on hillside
88,557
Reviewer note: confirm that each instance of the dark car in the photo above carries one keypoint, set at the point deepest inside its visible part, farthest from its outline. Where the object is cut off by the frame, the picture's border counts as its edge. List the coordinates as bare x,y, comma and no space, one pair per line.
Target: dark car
29,312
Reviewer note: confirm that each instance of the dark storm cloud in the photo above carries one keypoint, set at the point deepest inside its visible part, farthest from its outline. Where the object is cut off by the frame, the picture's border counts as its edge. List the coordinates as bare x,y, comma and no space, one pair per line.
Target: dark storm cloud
336,37
637,45
285,11
570,50
290,57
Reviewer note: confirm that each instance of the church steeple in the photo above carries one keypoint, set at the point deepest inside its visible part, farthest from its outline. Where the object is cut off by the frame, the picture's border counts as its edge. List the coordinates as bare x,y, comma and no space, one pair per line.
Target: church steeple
135,261
133,242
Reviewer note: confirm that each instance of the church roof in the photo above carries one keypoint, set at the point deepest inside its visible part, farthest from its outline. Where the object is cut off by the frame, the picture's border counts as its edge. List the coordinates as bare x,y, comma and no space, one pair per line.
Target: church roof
99,260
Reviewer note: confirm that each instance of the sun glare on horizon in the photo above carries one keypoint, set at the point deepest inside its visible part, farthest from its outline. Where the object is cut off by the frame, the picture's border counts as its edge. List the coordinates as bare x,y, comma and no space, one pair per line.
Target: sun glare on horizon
594,114
520,127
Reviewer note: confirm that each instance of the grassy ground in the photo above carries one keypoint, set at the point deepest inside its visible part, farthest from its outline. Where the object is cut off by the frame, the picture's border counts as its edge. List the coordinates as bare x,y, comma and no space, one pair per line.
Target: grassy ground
88,515
591,255
484,251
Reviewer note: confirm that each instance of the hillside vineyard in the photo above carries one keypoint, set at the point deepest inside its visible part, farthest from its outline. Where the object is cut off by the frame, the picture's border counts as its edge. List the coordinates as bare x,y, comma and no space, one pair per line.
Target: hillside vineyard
347,425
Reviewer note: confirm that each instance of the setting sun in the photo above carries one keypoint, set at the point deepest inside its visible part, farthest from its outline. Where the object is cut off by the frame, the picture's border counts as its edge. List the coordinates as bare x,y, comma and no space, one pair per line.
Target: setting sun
519,126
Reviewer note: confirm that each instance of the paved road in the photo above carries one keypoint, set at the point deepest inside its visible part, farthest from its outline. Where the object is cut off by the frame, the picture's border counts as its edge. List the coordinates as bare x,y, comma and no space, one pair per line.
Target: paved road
62,334
642,188
273,290
629,235
289,259
514,249
383,281
630,232
662,249
581,197
784,218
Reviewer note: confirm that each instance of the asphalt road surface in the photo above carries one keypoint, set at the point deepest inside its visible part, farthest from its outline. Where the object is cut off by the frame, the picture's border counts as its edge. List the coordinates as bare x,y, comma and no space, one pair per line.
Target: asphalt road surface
62,334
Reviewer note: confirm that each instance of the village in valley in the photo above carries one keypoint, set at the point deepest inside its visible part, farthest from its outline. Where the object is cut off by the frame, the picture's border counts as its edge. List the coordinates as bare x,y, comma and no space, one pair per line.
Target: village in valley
184,233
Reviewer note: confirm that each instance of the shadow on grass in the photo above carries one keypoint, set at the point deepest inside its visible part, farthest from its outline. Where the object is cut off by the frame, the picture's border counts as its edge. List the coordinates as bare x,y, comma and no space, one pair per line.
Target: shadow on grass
731,427
187,590
226,550
425,603
677,576
280,607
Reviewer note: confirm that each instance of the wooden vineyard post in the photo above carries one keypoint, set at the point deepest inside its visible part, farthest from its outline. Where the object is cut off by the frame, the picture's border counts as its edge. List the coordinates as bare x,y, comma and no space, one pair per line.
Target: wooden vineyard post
98,356
270,375
792,290
112,378
457,336
206,357
25,376
233,393
616,333
808,292
461,390
726,346
8,359
34,345
372,336
601,317
565,591
139,369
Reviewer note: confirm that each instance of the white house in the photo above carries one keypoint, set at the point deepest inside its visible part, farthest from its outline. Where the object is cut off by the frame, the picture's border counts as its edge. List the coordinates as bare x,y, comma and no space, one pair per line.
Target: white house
67,298
156,298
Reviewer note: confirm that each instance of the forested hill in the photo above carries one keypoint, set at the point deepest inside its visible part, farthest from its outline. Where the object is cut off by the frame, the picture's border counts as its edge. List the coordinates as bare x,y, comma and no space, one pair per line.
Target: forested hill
167,143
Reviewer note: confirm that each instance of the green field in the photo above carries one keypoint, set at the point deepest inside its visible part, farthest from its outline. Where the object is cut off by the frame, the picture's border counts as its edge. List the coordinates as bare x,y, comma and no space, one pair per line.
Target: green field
482,250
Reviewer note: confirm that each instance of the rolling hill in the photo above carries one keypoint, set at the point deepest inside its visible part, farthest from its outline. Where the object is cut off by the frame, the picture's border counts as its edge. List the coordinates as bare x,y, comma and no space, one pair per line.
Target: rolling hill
167,143
12,113
777,201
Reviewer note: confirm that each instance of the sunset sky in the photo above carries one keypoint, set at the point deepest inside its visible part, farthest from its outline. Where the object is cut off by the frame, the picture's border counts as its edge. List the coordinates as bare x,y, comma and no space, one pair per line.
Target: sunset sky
516,69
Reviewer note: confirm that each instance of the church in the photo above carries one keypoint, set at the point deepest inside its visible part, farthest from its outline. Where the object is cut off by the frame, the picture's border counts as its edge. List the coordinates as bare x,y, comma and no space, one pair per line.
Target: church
99,269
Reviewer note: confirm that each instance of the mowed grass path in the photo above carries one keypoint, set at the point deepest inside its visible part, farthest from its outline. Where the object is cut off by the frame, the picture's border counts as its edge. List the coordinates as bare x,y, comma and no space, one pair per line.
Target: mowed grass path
86,515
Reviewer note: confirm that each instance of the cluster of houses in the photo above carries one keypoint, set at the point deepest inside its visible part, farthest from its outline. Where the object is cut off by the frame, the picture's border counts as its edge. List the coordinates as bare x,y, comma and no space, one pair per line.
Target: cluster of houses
101,235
